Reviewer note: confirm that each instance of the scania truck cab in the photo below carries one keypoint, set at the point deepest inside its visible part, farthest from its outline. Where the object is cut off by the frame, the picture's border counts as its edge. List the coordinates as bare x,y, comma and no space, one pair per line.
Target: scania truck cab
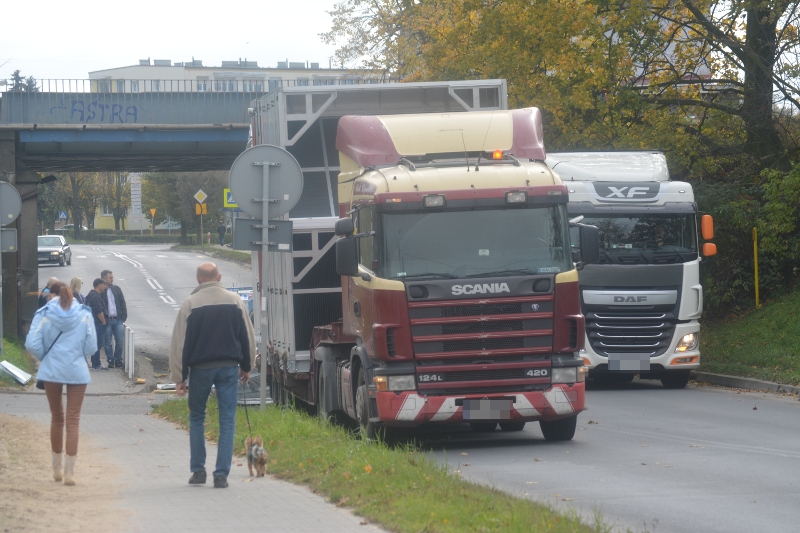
642,299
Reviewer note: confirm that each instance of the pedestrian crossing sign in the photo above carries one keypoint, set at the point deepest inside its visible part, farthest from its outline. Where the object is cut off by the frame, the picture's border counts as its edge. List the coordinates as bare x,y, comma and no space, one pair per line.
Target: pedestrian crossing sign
227,200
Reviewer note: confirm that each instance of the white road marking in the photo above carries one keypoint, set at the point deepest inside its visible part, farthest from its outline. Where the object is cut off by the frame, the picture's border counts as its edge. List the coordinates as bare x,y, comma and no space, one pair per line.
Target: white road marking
161,256
80,257
167,299
102,256
154,284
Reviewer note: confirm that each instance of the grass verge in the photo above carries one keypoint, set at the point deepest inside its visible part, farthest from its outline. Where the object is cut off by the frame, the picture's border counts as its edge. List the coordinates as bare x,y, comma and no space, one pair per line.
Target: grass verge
228,255
400,489
14,352
764,344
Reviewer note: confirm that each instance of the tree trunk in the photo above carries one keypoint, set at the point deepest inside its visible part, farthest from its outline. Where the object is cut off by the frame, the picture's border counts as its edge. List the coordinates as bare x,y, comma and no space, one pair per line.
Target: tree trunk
763,141
77,219
183,233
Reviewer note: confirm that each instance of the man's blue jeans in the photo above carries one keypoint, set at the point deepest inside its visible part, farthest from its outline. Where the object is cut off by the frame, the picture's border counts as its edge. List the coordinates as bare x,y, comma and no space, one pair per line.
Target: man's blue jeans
114,329
225,380
100,329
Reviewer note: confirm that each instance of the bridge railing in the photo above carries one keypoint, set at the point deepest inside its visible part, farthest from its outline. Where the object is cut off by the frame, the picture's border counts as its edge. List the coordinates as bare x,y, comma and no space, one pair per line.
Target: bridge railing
110,101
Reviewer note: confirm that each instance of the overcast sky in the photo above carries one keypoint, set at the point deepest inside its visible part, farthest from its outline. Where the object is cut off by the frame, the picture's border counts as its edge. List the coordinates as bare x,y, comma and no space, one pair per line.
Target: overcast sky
47,39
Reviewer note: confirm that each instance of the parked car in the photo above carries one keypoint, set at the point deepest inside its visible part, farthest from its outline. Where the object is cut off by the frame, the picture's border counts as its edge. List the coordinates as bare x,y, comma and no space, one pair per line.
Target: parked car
54,249
66,228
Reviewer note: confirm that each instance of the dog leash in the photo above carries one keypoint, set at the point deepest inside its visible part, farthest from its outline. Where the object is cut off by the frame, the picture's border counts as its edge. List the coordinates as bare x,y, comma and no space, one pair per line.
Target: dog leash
246,415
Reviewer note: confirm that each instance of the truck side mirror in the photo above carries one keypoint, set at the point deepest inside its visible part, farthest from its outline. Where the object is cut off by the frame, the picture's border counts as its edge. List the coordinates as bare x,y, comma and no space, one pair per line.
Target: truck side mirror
346,254
590,244
344,227
707,227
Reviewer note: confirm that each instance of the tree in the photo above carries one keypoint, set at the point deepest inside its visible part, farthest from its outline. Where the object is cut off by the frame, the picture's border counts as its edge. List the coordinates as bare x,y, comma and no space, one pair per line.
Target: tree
117,196
21,84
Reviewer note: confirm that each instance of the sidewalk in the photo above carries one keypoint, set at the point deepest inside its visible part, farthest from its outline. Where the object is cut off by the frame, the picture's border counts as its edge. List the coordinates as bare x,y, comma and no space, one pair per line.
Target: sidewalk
153,456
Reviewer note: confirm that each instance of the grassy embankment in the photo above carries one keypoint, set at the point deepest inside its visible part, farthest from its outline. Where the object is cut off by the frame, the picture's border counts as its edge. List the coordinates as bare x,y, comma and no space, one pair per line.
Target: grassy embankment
228,255
400,489
14,352
764,344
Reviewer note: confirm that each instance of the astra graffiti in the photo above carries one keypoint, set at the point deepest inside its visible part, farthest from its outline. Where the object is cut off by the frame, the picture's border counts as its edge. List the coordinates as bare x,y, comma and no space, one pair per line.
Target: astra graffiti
98,112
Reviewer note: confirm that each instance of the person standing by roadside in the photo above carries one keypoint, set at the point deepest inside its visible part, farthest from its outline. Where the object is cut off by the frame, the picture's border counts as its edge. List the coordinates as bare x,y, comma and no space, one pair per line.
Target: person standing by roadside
212,344
117,315
99,313
75,285
61,336
221,230
44,296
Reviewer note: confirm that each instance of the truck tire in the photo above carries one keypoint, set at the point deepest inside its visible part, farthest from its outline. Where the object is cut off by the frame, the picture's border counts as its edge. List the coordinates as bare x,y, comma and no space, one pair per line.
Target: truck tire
369,430
483,427
676,379
322,411
276,389
563,429
512,426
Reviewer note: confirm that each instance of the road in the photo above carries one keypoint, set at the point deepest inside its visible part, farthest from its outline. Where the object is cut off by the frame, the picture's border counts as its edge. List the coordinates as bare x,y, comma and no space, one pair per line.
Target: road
155,281
703,459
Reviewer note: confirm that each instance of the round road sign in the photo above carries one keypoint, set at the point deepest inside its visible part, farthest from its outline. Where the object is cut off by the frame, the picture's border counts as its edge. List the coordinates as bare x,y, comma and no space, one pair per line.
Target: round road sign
10,203
246,180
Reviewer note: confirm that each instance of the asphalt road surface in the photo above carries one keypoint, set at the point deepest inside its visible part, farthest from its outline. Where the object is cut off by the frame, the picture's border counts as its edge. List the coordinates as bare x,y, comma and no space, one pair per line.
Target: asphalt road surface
154,280
703,459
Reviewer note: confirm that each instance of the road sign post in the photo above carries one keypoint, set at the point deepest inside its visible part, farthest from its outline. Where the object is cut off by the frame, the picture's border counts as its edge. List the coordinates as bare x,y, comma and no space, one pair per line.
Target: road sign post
152,219
280,190
10,207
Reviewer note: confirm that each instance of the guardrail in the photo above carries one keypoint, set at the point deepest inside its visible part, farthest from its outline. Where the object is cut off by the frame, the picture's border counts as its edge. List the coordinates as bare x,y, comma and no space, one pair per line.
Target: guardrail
129,351
107,101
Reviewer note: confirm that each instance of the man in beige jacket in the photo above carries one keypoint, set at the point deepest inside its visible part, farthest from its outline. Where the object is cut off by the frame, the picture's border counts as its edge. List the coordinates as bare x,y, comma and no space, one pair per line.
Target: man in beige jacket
212,344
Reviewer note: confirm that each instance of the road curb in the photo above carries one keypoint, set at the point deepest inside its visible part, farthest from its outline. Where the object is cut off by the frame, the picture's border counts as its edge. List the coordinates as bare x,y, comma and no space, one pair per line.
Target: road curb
743,383
211,253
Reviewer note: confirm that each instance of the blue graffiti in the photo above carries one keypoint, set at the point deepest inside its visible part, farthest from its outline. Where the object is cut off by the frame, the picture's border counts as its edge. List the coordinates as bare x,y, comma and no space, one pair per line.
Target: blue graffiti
95,111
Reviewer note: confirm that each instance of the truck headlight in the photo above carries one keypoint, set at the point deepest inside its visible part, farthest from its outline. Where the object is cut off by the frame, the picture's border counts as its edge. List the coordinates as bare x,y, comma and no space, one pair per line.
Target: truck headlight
394,383
565,375
688,342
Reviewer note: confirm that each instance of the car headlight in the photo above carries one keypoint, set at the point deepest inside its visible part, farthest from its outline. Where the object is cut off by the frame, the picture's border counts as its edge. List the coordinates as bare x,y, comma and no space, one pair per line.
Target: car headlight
55,253
688,342
395,383
565,375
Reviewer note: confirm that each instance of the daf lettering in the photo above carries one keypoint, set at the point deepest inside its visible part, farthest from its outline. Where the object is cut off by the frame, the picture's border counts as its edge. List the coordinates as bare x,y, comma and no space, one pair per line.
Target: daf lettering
480,288
630,299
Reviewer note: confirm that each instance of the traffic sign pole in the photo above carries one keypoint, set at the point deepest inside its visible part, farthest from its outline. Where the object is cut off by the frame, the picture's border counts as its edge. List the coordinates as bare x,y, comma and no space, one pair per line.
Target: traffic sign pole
10,207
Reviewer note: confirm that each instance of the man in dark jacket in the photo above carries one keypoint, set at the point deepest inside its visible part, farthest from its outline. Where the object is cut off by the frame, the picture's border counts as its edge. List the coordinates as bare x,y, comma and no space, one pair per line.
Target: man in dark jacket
221,229
212,344
44,296
100,314
117,315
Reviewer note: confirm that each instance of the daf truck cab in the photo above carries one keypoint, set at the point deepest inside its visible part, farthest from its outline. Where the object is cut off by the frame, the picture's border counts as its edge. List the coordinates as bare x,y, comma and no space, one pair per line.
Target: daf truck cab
642,299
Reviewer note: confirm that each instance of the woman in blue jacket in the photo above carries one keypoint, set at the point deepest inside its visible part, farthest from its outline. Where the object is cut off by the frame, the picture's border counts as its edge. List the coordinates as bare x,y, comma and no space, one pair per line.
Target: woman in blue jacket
62,334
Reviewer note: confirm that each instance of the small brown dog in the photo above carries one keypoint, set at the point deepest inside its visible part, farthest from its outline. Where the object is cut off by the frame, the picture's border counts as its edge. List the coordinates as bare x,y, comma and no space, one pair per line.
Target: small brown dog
256,455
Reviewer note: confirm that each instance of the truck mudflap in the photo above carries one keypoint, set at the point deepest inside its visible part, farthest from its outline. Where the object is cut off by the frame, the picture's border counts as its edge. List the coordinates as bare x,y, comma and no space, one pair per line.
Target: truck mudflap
412,409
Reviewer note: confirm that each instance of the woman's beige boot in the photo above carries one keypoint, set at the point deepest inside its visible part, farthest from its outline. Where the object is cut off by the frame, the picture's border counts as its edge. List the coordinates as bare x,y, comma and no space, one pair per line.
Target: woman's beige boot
56,466
69,469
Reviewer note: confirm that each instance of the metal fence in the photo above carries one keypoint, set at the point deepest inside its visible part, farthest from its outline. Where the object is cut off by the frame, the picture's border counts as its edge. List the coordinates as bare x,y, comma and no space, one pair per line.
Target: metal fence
130,351
107,101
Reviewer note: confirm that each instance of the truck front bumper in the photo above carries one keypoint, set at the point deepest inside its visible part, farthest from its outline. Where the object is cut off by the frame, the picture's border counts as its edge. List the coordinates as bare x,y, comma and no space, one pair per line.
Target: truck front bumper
669,360
411,408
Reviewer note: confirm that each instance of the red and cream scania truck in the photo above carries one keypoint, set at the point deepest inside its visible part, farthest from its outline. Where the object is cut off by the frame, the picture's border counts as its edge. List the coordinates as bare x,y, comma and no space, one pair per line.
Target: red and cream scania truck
457,297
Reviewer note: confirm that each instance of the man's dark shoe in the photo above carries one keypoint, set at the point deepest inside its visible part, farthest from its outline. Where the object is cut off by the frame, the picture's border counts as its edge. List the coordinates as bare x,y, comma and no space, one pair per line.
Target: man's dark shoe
220,481
198,478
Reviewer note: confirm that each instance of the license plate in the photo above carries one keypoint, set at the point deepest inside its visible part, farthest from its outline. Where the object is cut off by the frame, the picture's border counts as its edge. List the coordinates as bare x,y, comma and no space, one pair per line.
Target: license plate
487,410
627,362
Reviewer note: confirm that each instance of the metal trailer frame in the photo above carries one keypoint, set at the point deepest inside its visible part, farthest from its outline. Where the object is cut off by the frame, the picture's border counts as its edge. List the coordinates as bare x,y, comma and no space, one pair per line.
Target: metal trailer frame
294,117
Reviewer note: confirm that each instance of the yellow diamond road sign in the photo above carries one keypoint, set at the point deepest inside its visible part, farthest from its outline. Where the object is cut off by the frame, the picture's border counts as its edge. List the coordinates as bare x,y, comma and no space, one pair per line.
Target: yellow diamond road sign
200,196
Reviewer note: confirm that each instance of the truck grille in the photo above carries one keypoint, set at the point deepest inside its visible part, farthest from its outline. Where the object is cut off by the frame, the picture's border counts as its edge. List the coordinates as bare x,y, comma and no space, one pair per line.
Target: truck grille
482,345
629,331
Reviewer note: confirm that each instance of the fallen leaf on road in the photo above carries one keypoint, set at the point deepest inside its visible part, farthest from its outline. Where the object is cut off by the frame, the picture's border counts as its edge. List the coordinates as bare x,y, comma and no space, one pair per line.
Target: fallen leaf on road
644,445
466,464
536,459
464,453
593,422
531,482
755,408
247,479
362,523
342,501
644,464
368,469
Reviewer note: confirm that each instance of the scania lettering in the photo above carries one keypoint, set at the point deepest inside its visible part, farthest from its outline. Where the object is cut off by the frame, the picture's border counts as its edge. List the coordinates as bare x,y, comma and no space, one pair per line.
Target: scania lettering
643,299
445,291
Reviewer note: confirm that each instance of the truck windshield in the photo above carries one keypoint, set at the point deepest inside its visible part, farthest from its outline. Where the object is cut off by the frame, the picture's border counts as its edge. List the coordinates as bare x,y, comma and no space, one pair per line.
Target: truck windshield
475,243
631,239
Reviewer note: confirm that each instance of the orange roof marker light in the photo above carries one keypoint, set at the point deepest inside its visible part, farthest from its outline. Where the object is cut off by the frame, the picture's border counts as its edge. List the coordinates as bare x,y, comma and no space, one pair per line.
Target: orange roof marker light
497,154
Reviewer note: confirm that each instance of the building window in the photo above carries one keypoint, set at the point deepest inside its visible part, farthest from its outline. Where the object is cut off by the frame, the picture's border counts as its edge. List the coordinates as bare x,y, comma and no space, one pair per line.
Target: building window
156,85
253,86
135,86
202,85
323,82
105,210
274,83
120,86
228,86
302,82
104,86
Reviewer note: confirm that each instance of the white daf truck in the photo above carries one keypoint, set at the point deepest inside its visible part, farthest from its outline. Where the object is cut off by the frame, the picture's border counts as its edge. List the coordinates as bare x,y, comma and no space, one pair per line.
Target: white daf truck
643,299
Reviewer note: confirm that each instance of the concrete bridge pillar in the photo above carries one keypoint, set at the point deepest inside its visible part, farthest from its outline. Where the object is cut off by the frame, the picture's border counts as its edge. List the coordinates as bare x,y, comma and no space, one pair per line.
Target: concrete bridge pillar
20,269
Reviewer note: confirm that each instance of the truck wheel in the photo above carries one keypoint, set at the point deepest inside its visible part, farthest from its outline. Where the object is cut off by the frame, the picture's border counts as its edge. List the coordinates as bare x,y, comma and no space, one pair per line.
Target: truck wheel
483,427
276,389
675,380
322,412
512,426
369,430
563,429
